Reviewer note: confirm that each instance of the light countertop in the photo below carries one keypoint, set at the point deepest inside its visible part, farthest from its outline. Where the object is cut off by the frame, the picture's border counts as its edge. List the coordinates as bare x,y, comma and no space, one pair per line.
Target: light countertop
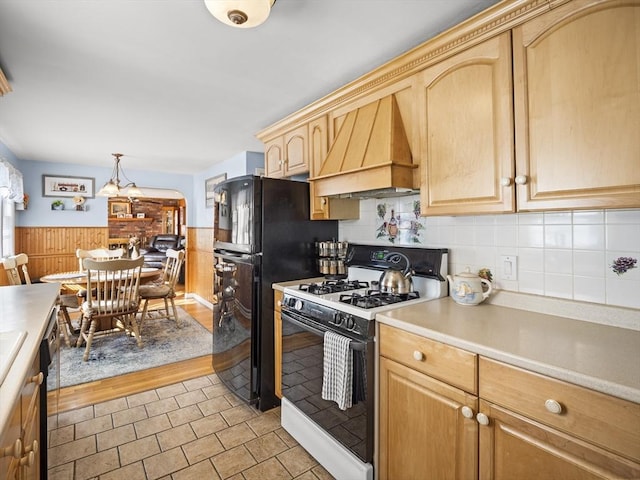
601,357
23,308
592,345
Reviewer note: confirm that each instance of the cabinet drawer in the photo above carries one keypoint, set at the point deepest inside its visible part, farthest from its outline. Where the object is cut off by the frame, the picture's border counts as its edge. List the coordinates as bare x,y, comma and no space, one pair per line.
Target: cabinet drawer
609,422
449,364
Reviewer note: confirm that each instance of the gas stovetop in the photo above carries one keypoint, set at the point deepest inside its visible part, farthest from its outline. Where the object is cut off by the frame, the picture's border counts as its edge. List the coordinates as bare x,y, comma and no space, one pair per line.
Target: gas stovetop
332,286
359,294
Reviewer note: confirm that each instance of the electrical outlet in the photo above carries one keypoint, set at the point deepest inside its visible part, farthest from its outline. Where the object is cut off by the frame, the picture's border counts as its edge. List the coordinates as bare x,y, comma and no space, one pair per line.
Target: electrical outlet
509,267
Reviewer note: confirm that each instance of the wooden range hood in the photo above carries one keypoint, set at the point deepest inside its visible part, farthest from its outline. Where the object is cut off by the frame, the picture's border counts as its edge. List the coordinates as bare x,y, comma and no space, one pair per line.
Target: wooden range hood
370,156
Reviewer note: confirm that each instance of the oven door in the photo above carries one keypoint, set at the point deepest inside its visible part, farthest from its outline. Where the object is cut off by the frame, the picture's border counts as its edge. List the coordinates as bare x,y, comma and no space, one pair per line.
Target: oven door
302,371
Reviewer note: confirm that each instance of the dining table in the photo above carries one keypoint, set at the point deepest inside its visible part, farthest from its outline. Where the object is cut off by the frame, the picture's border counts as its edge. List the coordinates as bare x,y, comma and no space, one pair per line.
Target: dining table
71,286
147,274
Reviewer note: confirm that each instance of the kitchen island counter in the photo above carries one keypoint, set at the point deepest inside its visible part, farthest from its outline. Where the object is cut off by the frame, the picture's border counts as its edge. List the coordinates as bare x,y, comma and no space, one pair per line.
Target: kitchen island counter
602,357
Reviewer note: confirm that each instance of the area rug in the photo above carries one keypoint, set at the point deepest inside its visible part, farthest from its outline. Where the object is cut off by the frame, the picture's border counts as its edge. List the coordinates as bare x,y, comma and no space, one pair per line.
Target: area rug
117,354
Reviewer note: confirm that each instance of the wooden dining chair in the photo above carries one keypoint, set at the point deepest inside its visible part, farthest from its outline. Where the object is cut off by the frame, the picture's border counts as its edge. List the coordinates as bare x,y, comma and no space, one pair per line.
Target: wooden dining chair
18,274
166,290
98,254
115,304
16,268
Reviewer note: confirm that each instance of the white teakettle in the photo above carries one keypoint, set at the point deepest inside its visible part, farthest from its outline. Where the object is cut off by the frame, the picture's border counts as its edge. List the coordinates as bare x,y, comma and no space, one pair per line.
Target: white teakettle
466,288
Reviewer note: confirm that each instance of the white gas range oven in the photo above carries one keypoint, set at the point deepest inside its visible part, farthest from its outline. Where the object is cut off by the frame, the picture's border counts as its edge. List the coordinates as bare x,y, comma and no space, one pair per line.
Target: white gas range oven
343,440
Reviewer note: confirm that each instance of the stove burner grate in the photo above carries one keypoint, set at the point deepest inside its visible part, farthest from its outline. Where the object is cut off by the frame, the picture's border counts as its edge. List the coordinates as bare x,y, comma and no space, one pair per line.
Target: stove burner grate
332,286
376,298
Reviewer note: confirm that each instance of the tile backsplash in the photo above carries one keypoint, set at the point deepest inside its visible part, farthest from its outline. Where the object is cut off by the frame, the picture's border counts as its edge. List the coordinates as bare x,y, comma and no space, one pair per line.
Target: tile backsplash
565,254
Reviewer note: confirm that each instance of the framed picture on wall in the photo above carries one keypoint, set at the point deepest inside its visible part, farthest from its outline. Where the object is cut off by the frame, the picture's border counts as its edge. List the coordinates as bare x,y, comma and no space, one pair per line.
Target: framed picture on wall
209,185
119,209
67,186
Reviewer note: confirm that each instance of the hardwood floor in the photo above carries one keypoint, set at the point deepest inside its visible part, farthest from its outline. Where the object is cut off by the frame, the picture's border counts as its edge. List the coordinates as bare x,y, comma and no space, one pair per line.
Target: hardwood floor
78,396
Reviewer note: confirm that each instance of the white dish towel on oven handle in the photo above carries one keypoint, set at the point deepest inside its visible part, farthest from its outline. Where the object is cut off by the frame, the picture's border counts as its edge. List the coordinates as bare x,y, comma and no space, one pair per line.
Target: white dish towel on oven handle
337,377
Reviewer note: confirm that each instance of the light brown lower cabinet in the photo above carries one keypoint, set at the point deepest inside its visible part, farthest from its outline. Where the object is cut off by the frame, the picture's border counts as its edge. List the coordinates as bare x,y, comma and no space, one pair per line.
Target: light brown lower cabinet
20,439
533,426
277,328
427,427
515,425
514,446
423,432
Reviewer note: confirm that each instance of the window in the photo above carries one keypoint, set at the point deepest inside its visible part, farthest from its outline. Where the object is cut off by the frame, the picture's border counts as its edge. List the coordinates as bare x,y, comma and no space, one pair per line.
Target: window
11,191
7,222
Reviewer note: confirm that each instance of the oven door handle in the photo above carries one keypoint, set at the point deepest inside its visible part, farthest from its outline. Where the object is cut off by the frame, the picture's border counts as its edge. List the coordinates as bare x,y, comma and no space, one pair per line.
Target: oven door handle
353,345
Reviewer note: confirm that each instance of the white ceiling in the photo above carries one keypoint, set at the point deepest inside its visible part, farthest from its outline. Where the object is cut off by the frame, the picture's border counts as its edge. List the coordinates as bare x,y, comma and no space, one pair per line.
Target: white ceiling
174,89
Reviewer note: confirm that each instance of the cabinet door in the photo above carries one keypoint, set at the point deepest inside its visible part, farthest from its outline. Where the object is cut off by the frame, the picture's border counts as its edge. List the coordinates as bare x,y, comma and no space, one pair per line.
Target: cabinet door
318,147
577,107
512,446
9,460
296,151
423,433
274,158
467,131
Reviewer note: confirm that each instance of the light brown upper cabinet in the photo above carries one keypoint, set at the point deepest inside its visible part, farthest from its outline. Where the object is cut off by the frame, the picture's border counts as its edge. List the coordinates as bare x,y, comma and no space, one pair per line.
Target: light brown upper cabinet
577,107
573,107
467,131
288,154
325,208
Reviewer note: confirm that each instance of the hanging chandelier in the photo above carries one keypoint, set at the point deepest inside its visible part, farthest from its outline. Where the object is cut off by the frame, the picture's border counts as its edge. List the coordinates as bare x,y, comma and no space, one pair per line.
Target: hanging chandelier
240,13
113,188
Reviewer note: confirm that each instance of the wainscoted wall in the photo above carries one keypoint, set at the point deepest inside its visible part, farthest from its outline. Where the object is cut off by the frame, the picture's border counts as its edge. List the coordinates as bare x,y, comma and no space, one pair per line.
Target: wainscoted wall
53,249
200,262
560,254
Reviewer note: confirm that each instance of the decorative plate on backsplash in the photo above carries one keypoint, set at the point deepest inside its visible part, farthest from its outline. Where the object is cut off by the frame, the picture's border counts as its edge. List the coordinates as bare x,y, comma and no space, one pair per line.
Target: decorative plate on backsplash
399,221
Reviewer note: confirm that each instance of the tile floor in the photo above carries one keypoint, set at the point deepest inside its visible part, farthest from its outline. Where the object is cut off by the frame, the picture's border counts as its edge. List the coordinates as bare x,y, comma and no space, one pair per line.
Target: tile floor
194,429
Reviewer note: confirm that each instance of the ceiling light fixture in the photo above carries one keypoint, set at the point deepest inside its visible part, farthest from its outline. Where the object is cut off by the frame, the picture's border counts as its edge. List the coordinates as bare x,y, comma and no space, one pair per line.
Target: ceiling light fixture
113,189
240,13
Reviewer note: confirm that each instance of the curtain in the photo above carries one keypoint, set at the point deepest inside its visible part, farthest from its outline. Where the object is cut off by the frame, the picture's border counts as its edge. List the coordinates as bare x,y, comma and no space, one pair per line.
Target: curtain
11,186
11,192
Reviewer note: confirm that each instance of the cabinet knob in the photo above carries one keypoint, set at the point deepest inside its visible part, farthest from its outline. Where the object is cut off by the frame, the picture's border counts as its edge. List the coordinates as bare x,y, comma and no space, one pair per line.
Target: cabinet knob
553,406
14,450
37,379
505,181
467,412
28,460
521,179
32,448
324,200
418,355
279,303
482,419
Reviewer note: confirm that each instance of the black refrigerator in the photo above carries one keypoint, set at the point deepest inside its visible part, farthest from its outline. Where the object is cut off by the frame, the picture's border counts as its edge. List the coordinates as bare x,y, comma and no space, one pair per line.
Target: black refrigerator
262,234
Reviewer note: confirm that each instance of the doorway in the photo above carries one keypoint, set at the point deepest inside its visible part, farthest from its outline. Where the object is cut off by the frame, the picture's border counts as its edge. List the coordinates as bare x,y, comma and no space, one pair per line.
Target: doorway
144,218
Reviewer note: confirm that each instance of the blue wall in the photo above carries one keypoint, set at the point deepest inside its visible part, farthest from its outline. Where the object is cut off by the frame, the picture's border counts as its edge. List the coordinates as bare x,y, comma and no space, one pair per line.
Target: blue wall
39,213
244,163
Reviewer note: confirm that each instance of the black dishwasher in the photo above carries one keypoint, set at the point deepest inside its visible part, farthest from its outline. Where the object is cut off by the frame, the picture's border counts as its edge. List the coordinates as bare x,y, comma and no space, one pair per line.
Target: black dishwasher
49,354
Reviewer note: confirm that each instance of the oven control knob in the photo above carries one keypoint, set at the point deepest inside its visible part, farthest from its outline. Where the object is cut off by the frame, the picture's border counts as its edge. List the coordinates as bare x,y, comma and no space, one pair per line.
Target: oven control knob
298,305
350,323
338,318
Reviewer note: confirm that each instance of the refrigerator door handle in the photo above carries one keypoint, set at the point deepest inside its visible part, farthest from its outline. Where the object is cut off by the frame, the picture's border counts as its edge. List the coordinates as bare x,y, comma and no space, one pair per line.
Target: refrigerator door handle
226,255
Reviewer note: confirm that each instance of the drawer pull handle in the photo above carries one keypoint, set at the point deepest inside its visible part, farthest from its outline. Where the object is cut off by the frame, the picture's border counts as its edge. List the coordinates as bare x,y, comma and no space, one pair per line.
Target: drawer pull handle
467,412
553,406
32,448
482,419
418,355
14,450
28,460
